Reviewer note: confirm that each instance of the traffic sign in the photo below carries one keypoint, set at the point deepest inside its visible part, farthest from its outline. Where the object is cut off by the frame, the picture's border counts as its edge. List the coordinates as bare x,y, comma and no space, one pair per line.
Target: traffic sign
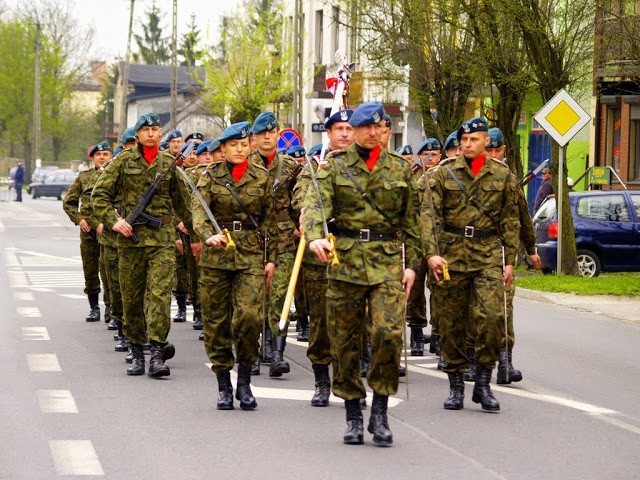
562,117
289,138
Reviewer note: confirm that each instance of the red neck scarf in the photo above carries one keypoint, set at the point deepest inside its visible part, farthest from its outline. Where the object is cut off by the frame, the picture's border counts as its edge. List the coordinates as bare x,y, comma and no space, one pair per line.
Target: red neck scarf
271,157
238,169
477,164
150,153
373,157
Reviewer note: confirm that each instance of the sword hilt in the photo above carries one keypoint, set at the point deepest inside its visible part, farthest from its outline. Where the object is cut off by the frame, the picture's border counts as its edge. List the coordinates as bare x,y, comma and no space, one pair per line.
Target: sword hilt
333,255
445,273
231,245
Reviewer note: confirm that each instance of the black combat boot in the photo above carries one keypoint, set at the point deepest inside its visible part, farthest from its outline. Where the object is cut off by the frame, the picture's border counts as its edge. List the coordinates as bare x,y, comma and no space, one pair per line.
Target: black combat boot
129,356
506,365
157,368
303,333
470,374
365,360
137,361
181,316
456,392
197,320
225,391
266,356
168,352
278,364
482,391
434,345
255,368
417,342
94,313
123,343
378,423
201,336
441,363
354,434
323,386
243,389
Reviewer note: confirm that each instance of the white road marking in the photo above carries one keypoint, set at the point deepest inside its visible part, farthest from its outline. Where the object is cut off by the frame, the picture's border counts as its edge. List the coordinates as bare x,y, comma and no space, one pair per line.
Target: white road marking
36,289
43,362
75,457
17,279
23,296
61,260
73,296
56,279
618,423
57,401
31,312
35,333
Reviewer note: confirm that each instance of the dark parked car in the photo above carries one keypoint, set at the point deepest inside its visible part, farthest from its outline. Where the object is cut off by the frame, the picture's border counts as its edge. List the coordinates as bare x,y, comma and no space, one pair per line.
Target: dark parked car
55,184
607,229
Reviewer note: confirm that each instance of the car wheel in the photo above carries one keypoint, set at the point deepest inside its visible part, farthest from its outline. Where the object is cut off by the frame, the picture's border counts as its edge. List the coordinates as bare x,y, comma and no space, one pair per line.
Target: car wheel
63,194
588,263
34,194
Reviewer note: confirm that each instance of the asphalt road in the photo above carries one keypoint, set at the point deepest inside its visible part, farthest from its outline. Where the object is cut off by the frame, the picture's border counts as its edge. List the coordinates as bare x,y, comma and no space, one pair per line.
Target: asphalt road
67,408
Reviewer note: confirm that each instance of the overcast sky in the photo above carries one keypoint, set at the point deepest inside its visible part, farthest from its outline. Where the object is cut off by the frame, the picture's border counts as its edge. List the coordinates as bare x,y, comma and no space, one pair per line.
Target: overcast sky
110,20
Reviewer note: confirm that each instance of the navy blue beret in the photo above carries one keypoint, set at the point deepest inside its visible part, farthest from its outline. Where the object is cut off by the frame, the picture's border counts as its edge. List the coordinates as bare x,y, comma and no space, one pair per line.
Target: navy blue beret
173,134
100,147
264,122
451,141
147,120
430,144
203,147
315,150
340,116
237,131
194,136
117,150
297,152
129,135
476,124
185,146
368,113
405,150
496,138
214,145
163,146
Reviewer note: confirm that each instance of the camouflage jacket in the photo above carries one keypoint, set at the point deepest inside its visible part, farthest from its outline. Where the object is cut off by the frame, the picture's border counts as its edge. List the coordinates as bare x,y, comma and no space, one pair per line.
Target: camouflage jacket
123,183
255,193
392,187
73,200
493,189
108,237
280,227
527,232
303,183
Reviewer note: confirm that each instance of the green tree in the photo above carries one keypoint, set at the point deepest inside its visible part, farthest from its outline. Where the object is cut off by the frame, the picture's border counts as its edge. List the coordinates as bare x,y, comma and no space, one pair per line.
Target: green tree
190,45
153,48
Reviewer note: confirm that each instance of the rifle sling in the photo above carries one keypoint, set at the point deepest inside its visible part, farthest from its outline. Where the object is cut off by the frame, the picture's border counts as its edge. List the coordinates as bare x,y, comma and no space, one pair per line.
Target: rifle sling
243,205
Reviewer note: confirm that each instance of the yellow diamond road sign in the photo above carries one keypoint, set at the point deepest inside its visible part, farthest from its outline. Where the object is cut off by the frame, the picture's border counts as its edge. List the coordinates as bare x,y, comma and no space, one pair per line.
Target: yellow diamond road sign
562,117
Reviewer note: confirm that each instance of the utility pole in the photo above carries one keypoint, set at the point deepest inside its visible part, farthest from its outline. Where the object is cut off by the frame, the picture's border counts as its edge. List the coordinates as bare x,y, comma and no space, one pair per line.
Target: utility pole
174,72
297,66
36,106
122,121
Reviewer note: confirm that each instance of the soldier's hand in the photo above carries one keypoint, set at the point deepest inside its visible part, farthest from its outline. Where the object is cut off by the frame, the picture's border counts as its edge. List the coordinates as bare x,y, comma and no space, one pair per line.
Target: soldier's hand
296,233
218,240
408,277
508,274
182,228
84,226
180,247
196,249
321,247
100,229
123,228
269,270
436,264
535,261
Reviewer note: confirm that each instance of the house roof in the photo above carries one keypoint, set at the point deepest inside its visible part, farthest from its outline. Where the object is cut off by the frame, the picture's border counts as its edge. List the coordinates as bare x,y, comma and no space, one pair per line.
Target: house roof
150,81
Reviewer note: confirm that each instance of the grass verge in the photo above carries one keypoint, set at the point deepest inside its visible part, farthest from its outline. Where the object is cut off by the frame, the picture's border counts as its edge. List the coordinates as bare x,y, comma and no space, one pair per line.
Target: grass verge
606,284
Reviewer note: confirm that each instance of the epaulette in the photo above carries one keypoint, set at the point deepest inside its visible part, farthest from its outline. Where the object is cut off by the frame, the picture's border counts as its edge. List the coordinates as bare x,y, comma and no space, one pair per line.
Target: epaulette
500,162
397,155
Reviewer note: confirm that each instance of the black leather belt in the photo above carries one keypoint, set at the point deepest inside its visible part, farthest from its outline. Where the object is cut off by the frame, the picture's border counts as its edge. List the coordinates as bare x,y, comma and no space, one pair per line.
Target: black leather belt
470,231
237,226
364,234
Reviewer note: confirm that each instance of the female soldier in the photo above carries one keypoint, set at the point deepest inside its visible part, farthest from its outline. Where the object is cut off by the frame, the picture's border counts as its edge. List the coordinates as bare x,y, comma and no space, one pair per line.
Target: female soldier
231,279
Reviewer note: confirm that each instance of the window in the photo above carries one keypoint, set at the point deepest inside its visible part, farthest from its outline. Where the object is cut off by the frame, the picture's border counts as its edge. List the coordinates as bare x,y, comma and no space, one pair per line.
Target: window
634,150
614,124
608,208
335,29
319,35
635,199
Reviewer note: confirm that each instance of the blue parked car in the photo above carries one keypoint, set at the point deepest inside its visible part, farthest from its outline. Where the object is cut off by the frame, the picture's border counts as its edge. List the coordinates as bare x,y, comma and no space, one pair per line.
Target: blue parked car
607,229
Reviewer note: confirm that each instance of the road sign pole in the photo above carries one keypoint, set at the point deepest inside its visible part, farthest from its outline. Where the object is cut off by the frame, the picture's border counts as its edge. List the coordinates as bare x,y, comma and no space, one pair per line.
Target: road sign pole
559,210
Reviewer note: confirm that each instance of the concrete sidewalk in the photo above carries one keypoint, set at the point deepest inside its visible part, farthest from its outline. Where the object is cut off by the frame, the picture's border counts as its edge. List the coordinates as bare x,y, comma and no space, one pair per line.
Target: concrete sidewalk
612,306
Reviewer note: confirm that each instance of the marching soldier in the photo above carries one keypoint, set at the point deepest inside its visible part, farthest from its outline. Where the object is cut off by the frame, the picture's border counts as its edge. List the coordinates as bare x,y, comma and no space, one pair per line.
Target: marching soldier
370,231
240,197
174,140
146,266
194,137
387,133
475,202
406,152
451,145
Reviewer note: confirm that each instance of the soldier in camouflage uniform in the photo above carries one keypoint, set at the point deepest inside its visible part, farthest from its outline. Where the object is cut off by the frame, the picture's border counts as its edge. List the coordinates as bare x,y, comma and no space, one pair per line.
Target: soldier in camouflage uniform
89,246
369,245
232,280
280,229
472,237
146,268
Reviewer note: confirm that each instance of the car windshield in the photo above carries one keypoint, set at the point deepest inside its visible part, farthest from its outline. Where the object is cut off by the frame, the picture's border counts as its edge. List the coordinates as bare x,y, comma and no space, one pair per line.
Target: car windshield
546,210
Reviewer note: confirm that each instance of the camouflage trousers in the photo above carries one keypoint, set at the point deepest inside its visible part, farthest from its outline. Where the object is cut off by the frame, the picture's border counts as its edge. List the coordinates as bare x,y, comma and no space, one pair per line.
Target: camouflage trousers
90,253
433,314
109,258
470,303
146,276
231,313
300,296
347,325
314,283
417,304
278,292
187,274
511,292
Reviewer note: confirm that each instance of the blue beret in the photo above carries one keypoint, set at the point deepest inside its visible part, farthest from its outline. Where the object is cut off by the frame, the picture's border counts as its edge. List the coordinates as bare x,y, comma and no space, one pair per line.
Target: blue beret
117,151
203,147
405,150
237,131
147,120
163,145
340,116
315,150
476,124
99,147
368,113
185,146
129,135
173,134
451,141
264,122
430,144
282,151
214,145
496,138
194,136
297,152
